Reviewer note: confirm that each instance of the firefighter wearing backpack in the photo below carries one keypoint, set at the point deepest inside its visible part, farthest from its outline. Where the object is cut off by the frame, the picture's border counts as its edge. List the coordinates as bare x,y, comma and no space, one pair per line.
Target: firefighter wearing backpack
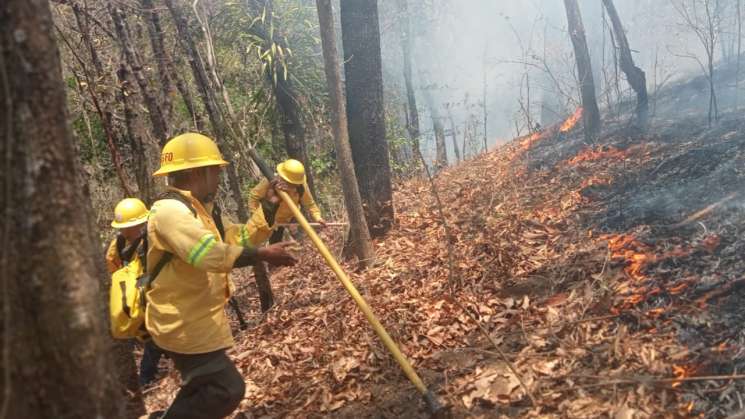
186,301
130,221
267,210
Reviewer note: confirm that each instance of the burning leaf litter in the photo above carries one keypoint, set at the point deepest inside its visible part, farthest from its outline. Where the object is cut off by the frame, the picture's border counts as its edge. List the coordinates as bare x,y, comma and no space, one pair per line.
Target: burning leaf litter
588,311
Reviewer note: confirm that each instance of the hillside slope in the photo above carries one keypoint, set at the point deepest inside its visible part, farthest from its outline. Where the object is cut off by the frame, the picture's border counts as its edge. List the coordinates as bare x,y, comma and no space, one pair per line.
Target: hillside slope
609,274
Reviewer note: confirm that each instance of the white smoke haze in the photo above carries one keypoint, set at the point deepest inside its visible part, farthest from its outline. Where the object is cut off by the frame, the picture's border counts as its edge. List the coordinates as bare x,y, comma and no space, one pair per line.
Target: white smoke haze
521,52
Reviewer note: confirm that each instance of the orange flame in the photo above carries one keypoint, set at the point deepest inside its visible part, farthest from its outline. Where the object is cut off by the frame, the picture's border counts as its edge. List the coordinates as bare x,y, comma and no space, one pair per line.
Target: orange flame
684,371
636,254
571,121
598,154
528,142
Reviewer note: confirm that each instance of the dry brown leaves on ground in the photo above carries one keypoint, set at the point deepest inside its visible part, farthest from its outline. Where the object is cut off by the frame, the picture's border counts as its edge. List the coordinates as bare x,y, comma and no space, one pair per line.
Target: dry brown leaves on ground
590,314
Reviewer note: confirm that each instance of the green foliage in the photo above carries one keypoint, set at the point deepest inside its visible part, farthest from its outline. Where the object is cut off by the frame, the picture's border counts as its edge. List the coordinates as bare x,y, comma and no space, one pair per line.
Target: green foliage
71,82
90,147
323,165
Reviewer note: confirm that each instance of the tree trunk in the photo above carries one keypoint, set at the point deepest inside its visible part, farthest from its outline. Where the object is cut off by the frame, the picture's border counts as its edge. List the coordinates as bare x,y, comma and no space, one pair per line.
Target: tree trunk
591,113
139,153
196,117
86,35
158,122
365,113
56,357
634,75
359,238
155,33
406,44
454,133
216,119
441,158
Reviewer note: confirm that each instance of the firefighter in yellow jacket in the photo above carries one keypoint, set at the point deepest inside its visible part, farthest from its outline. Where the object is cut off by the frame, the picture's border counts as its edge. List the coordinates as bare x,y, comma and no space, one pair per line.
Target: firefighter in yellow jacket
267,210
186,302
130,220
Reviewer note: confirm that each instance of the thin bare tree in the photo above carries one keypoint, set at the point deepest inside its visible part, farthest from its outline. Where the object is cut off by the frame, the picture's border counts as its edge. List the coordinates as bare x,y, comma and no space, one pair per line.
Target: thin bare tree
634,75
591,113
704,24
359,239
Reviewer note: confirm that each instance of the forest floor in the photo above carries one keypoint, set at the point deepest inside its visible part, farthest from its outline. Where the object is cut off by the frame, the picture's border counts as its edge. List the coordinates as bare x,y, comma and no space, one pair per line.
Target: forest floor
609,274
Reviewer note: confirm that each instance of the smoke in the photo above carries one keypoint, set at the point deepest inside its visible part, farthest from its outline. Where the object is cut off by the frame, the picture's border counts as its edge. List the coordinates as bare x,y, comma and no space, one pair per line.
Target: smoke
515,61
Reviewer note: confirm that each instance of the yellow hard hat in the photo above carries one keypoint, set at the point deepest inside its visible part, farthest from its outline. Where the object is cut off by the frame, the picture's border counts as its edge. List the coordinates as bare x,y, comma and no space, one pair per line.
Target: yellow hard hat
188,151
129,212
292,171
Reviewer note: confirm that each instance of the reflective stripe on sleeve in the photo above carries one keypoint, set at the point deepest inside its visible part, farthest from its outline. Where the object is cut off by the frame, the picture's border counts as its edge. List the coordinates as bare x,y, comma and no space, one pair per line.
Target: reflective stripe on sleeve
200,249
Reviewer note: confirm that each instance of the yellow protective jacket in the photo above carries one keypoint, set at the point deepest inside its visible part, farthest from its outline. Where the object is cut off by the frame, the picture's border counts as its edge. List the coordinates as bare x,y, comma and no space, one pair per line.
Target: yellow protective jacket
257,228
113,260
185,311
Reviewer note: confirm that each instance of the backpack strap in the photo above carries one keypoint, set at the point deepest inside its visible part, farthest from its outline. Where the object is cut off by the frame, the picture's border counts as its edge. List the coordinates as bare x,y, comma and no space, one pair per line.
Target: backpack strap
126,253
217,218
142,250
146,280
167,256
121,242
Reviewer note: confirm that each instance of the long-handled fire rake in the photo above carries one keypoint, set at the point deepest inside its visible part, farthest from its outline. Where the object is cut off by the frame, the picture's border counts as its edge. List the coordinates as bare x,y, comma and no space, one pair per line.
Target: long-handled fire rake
432,403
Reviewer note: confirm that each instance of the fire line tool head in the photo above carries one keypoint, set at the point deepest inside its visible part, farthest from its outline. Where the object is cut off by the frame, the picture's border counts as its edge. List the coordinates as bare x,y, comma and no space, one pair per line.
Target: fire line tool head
436,410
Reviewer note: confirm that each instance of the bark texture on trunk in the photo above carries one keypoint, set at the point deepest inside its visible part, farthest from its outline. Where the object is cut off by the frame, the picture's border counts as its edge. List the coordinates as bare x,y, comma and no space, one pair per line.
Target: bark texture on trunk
634,75
365,113
157,120
359,236
155,32
56,359
137,145
591,113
